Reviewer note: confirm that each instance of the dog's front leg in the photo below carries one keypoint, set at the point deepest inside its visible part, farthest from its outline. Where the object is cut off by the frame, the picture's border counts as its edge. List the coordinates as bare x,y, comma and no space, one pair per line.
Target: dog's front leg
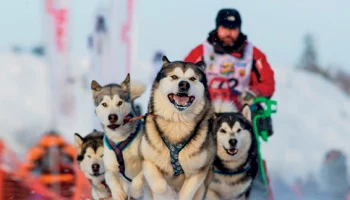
192,184
136,187
211,195
155,179
112,175
113,181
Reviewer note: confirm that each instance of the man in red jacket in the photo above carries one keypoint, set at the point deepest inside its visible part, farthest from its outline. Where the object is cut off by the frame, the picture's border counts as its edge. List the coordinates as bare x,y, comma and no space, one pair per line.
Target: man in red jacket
235,63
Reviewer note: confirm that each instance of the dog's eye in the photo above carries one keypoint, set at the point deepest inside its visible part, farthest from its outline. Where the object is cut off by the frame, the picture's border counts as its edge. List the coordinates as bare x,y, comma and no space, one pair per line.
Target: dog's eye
174,77
193,79
120,103
89,156
104,104
239,130
222,131
102,156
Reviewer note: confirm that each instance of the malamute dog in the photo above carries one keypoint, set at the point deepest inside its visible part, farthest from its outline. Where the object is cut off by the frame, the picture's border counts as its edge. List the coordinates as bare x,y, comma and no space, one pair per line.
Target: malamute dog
114,108
90,153
235,165
178,146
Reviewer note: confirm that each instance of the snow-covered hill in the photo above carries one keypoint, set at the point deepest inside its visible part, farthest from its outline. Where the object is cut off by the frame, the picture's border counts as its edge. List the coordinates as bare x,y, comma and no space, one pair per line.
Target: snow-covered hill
312,113
313,116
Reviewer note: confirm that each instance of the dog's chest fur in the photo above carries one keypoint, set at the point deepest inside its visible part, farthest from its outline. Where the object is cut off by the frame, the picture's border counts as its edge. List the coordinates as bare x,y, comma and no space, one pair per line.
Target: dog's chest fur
229,187
232,186
194,157
131,158
99,190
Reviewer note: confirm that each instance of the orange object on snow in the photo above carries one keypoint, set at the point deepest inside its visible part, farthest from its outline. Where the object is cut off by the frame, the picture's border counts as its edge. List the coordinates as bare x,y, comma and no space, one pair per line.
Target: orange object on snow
18,182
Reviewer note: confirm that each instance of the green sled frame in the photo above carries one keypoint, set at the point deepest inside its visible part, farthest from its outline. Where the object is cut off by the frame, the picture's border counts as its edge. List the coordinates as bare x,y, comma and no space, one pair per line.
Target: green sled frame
270,107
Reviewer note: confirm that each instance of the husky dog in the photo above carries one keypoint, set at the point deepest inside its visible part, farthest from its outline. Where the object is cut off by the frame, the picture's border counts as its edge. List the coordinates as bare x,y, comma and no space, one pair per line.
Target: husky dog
114,107
235,165
90,153
178,145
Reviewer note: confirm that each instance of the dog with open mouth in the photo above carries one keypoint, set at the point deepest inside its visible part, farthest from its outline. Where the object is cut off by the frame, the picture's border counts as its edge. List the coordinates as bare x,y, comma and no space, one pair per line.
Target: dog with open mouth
235,165
178,145
114,109
90,162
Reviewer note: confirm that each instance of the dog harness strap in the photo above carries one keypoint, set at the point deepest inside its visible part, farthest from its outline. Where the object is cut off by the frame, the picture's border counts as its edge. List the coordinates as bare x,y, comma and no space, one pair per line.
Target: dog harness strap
242,171
174,154
176,148
119,147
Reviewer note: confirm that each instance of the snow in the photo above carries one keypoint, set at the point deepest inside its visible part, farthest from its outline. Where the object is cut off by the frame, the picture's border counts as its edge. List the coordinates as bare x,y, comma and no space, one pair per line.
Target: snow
24,101
311,119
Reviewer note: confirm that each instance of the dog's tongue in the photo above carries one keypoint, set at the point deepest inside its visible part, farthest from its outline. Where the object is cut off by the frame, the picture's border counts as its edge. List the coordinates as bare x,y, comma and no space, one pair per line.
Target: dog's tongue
181,100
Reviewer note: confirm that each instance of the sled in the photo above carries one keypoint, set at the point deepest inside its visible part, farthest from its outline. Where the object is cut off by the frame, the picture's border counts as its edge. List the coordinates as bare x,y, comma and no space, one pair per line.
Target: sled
268,109
17,183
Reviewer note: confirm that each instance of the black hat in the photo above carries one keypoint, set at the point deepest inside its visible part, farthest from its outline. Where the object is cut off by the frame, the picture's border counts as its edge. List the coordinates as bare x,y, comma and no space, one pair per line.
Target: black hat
229,18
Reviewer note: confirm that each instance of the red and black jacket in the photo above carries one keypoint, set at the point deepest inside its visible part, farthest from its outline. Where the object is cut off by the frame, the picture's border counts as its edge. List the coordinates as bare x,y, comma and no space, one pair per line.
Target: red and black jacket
262,80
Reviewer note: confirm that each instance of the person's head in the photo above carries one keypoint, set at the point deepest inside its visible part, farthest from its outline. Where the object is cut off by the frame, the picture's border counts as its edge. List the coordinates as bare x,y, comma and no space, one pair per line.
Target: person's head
228,25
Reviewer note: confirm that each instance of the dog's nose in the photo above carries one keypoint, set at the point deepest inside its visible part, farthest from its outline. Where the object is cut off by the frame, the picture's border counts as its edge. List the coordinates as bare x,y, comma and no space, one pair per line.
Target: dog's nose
113,118
232,142
184,85
95,167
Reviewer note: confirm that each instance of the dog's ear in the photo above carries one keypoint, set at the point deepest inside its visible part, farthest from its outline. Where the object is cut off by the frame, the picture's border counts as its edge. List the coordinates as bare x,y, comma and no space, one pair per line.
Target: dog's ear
136,89
201,65
78,142
95,86
165,61
126,83
217,116
246,112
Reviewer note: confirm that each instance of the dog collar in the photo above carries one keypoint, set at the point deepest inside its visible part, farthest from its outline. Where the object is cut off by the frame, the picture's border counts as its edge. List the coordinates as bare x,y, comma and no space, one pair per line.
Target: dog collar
242,171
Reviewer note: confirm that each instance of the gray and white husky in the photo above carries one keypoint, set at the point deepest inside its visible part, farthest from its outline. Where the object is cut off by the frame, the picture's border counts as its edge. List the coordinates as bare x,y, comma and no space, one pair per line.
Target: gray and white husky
90,162
178,146
235,165
114,107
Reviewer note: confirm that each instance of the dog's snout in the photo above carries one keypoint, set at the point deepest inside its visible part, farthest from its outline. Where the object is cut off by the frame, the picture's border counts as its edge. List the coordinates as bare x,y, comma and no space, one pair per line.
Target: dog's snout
184,85
113,118
95,167
232,142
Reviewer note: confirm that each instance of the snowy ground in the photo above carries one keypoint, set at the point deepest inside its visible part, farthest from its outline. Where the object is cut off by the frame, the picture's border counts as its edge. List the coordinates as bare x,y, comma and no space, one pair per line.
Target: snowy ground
312,117
312,113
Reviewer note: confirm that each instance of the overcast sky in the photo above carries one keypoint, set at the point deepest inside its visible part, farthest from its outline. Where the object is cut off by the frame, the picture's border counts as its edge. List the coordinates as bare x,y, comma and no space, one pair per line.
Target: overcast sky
176,26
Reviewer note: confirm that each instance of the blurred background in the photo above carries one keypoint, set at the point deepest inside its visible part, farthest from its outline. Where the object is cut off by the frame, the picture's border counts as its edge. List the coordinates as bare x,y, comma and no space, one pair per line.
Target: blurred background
50,50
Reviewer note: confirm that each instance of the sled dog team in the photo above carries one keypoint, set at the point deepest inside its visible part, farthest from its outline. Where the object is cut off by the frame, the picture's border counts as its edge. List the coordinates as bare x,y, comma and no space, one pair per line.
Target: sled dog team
185,147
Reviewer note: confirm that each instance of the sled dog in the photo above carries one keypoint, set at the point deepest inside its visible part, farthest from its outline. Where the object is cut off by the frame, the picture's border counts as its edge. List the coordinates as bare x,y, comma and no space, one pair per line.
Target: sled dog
114,109
235,164
89,158
178,145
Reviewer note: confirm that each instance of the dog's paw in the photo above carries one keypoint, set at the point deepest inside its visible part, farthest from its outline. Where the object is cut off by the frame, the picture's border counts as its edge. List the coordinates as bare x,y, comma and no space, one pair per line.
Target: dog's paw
136,187
166,197
136,192
119,195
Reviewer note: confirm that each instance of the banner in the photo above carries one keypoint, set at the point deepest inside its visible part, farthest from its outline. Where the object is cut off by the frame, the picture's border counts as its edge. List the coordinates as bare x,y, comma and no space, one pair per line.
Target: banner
59,65
121,23
99,49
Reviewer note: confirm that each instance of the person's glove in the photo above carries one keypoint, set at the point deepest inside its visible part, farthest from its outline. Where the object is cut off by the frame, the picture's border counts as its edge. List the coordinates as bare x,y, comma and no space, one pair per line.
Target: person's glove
247,97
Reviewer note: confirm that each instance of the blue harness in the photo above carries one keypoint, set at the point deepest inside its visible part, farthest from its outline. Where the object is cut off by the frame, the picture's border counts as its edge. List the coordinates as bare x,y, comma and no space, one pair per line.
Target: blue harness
174,154
119,147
